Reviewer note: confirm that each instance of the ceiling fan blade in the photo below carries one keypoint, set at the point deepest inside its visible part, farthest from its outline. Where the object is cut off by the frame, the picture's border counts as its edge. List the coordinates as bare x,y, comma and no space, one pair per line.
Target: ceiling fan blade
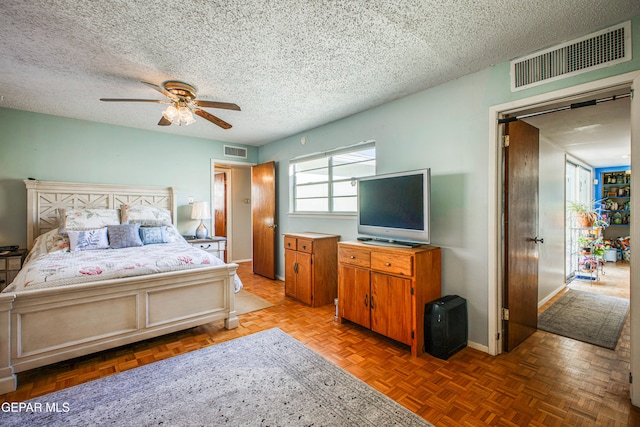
133,100
212,118
164,122
162,91
214,104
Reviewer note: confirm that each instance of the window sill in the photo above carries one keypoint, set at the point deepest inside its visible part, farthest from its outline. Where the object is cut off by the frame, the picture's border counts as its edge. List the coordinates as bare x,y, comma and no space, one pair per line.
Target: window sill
323,215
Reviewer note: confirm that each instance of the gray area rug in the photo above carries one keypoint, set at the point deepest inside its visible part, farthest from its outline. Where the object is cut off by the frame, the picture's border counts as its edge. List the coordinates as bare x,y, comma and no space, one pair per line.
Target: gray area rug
264,379
247,302
588,317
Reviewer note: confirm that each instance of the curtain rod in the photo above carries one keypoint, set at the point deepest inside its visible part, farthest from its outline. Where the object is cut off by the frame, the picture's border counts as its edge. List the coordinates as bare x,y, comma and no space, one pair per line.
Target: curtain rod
566,107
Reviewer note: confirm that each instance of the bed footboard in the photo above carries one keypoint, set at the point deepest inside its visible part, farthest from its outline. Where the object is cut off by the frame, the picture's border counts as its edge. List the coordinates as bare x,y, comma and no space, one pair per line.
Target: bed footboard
45,326
8,380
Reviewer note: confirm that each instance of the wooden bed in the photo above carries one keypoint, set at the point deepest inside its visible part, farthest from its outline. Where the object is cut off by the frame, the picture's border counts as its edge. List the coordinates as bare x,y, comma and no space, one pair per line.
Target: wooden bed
44,326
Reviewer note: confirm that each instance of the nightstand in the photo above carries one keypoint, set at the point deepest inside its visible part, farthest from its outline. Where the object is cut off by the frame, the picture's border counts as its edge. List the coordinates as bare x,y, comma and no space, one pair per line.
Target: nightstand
10,265
215,245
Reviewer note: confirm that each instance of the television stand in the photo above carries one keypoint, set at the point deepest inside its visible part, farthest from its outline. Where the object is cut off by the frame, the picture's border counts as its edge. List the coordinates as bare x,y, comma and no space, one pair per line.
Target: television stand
385,289
392,243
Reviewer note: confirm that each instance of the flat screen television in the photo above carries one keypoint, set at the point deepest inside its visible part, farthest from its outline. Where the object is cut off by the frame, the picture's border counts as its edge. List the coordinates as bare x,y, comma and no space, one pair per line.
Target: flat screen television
394,208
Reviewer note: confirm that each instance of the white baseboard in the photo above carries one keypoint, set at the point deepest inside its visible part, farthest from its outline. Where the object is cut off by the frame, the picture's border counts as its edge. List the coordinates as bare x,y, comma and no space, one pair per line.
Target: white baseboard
479,347
551,295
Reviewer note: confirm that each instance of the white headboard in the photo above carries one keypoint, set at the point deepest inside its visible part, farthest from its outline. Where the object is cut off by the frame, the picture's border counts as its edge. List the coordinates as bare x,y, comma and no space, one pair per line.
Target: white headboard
44,198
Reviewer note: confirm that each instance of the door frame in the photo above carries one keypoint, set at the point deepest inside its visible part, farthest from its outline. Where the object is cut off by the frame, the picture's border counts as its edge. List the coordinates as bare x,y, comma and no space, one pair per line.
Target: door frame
227,167
494,198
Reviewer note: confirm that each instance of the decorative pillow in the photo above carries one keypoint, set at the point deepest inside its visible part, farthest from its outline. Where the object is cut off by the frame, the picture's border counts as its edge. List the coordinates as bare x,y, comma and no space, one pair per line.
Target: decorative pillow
51,241
124,236
84,240
173,235
145,215
87,218
152,235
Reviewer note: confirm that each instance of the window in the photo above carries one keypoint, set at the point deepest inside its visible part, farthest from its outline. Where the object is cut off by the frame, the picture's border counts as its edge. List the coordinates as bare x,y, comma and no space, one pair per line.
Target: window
325,182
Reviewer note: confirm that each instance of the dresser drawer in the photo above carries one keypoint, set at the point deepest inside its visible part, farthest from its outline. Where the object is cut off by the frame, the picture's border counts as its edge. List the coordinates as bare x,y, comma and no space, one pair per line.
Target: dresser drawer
290,243
11,275
14,263
305,245
3,263
357,257
392,263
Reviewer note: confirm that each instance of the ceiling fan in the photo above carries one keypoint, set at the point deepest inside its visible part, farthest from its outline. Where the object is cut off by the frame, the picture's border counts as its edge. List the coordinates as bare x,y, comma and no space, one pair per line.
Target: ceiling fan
182,103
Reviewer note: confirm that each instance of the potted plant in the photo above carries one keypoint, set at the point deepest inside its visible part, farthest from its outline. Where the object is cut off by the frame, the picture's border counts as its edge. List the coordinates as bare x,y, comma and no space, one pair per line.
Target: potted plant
585,213
585,244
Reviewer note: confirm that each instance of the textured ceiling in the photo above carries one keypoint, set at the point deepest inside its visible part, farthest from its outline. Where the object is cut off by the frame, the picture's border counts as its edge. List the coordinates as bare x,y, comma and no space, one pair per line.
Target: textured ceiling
290,65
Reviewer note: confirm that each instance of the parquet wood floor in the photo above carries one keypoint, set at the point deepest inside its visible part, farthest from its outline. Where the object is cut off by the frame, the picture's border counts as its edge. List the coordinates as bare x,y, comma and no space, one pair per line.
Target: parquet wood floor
547,381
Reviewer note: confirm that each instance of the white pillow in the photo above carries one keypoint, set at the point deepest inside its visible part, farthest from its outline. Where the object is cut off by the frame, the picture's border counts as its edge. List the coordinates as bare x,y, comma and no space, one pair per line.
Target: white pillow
145,215
87,218
83,240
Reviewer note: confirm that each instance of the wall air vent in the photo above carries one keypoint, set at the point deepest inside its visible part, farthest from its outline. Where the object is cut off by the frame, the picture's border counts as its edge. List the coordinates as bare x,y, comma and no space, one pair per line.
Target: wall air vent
597,50
237,152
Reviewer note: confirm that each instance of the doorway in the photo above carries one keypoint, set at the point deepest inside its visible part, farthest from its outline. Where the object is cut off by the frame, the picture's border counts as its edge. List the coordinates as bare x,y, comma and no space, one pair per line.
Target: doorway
495,250
231,199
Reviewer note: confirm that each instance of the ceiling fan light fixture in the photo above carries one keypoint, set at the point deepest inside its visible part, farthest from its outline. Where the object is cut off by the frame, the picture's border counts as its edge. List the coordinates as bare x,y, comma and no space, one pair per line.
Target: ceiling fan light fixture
185,115
171,113
178,115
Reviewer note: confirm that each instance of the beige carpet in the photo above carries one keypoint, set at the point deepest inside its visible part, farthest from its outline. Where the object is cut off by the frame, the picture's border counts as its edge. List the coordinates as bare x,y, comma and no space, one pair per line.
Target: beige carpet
264,379
247,302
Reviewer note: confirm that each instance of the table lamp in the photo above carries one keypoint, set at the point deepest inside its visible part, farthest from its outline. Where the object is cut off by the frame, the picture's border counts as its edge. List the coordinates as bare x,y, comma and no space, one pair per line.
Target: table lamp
200,210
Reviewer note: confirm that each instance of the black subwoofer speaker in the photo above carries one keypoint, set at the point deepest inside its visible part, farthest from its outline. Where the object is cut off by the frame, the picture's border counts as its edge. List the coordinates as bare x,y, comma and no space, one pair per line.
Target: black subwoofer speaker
445,326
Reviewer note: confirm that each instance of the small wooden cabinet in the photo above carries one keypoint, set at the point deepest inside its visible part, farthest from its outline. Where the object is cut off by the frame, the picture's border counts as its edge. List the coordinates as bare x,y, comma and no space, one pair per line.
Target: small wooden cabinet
385,289
310,267
215,245
10,265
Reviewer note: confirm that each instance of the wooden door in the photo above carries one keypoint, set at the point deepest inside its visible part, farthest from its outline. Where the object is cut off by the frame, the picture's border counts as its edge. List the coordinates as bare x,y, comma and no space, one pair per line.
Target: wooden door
290,273
263,217
391,307
353,295
520,296
220,203
304,277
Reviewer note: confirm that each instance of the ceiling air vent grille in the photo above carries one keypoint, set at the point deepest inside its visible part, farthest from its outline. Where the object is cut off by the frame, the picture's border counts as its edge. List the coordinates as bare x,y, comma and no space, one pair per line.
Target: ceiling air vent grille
237,152
601,49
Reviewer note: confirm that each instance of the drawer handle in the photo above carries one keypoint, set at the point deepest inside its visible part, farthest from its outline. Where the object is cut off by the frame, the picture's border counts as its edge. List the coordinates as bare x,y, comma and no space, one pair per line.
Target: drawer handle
2,281
388,264
353,257
208,246
371,302
289,244
366,300
304,246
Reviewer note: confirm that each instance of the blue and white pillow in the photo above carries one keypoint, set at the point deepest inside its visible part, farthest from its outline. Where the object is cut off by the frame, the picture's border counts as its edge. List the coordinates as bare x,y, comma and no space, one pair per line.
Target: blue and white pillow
153,235
84,240
124,236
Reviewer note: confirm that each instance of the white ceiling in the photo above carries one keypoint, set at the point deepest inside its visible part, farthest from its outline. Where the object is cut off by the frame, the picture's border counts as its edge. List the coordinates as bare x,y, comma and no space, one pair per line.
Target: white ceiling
290,65
598,135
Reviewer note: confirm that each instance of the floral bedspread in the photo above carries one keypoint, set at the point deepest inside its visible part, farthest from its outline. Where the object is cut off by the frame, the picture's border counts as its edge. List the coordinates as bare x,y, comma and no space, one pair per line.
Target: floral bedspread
59,268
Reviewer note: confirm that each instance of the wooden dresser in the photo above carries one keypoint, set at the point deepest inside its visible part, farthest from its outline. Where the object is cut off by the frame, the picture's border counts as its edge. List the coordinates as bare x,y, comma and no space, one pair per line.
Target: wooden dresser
385,289
10,265
311,267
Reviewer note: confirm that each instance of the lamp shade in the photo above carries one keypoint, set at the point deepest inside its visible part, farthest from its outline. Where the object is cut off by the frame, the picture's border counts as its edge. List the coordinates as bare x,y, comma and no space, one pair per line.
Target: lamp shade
200,210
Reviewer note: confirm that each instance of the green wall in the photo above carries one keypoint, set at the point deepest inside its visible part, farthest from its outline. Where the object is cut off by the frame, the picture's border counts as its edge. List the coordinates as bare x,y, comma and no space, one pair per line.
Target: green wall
53,148
445,128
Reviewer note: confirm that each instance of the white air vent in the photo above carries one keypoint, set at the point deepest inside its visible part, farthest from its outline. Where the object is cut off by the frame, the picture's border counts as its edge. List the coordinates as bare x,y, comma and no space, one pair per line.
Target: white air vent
601,49
237,152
